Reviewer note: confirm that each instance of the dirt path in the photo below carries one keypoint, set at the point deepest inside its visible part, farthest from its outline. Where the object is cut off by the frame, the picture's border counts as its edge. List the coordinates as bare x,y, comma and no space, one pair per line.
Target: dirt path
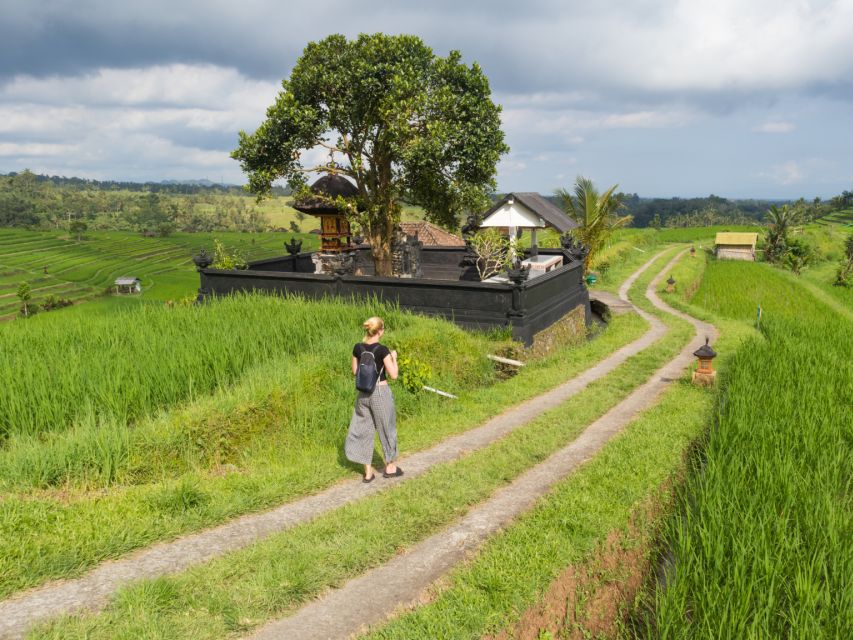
399,583
94,590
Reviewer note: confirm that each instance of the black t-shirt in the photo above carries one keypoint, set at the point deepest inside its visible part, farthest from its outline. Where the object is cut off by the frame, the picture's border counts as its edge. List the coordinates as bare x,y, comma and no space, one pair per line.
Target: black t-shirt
379,352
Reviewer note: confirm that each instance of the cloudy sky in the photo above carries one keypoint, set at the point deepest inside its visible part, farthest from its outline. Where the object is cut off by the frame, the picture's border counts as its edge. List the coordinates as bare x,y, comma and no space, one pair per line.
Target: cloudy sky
741,98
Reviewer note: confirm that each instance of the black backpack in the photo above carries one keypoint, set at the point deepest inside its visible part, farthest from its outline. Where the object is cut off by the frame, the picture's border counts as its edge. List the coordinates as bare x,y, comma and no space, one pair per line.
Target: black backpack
366,375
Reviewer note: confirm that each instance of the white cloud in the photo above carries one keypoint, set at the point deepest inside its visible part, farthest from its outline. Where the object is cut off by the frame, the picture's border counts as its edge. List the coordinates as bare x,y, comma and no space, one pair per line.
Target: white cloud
727,45
16,150
775,127
132,121
786,173
569,125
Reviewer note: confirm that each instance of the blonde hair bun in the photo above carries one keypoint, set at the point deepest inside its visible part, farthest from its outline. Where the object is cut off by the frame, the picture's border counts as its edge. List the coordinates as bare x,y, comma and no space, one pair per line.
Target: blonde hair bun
373,325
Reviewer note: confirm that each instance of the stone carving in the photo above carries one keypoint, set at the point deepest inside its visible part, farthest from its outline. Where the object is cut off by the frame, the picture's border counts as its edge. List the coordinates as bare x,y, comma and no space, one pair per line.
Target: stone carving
406,255
576,249
470,228
202,260
517,274
341,264
293,247
469,260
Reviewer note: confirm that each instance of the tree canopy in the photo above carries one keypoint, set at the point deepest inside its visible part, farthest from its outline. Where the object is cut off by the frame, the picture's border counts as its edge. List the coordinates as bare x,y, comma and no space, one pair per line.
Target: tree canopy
408,126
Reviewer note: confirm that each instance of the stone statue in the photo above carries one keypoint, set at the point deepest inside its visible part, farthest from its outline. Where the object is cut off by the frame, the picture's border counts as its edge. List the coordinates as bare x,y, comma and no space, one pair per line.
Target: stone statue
470,228
518,273
469,260
294,246
577,250
202,260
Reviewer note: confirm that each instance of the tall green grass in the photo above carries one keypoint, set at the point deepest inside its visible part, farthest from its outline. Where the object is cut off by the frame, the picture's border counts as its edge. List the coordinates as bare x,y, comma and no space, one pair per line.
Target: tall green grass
163,491
735,289
760,542
94,420
762,549
92,370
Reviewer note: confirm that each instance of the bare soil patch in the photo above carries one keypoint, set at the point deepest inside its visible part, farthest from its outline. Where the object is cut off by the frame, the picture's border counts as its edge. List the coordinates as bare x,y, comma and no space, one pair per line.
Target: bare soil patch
595,598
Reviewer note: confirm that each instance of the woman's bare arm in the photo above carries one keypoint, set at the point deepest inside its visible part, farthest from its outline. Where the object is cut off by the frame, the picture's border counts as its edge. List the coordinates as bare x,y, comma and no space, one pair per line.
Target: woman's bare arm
354,365
390,362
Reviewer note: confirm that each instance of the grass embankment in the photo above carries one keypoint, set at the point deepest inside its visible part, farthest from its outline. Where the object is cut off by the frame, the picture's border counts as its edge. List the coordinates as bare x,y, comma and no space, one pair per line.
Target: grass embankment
260,442
236,593
759,543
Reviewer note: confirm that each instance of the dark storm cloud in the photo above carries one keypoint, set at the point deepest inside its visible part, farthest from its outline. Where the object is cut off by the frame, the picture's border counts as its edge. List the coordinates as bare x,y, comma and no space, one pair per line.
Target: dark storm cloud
160,88
524,47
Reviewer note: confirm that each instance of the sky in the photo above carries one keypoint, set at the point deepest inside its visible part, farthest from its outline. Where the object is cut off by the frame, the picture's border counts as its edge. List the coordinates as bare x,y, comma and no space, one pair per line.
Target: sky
739,98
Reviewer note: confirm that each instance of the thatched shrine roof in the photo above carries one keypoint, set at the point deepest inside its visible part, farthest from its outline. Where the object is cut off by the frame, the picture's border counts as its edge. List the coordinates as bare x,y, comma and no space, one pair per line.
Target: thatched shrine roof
323,193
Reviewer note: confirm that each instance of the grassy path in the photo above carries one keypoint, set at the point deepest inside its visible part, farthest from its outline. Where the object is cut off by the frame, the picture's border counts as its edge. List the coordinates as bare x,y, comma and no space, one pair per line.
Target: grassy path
95,589
401,581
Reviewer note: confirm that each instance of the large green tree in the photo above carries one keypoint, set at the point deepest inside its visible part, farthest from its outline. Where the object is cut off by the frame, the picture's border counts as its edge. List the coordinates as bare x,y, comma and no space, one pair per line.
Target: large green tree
408,126
597,214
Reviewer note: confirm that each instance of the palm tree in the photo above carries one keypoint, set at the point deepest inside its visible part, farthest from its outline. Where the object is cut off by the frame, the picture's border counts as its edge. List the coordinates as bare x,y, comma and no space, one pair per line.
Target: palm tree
595,213
777,235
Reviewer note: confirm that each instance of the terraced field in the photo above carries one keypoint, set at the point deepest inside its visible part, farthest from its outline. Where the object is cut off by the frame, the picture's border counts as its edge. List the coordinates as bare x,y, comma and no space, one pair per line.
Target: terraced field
54,264
844,218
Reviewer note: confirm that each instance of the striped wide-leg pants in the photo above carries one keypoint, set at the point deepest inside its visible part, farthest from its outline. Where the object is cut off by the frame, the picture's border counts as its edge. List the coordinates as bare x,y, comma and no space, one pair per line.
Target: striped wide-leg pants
373,413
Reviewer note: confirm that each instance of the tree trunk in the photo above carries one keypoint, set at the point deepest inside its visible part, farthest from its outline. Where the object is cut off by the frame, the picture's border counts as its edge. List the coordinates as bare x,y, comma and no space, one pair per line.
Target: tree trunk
382,225
380,243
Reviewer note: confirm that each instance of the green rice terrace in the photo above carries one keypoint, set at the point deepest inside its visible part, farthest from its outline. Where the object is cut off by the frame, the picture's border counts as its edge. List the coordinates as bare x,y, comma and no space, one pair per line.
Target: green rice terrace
56,264
176,470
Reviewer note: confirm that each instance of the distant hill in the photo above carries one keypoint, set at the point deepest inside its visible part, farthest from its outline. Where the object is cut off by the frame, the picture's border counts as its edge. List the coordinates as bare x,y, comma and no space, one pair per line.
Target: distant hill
202,185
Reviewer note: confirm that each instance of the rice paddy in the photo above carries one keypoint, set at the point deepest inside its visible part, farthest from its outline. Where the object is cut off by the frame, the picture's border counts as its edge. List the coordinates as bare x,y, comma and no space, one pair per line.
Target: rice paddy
53,263
760,545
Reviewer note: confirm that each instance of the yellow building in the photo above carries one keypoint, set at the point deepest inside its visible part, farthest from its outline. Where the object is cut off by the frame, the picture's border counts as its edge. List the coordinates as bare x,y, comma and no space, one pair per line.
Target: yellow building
735,246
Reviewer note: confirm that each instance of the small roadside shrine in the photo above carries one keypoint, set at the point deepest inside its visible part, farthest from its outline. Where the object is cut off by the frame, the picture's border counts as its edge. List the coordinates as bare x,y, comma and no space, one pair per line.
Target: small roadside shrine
321,200
735,246
127,285
516,212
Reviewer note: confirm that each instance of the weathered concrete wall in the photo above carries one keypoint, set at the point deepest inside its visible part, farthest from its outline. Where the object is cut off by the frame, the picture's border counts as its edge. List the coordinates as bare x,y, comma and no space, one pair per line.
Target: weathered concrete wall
570,329
725,252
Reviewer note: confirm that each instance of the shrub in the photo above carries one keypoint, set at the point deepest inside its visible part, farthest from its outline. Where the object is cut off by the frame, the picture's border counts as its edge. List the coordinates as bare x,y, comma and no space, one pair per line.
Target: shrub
492,251
226,259
414,374
52,302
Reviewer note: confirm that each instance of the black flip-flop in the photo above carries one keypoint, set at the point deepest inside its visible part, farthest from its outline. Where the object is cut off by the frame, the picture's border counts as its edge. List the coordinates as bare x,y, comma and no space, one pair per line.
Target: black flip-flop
396,474
369,480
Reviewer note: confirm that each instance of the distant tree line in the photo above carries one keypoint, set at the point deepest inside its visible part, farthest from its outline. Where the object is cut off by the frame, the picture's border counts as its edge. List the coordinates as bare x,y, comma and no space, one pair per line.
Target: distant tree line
41,202
164,186
715,210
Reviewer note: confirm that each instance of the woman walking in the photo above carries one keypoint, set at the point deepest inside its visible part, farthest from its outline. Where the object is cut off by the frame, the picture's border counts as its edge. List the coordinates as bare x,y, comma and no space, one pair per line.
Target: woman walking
374,411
